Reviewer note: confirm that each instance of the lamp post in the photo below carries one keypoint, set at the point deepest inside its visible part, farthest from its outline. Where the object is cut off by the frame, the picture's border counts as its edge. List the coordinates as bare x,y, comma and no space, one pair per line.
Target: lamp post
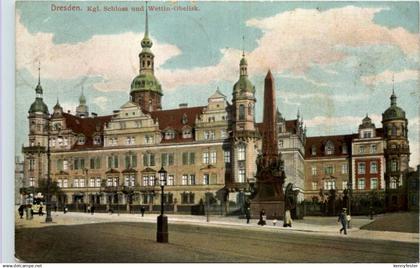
162,220
118,198
207,205
48,218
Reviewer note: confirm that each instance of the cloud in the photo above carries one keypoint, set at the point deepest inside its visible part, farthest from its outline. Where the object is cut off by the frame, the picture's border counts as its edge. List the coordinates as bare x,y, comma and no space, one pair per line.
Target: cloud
114,58
102,102
293,41
338,121
387,76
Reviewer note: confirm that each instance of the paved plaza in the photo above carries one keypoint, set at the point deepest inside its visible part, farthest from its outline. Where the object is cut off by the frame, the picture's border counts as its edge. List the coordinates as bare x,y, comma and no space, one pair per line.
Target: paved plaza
82,237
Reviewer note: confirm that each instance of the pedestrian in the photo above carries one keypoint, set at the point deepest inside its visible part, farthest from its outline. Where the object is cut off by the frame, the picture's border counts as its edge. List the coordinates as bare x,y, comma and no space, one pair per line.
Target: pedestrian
20,209
65,209
287,219
342,218
248,214
142,211
55,207
263,218
88,209
92,209
40,211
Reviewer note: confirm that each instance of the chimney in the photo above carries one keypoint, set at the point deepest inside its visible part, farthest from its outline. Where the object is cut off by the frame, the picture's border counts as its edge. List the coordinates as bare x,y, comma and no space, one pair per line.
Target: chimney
183,105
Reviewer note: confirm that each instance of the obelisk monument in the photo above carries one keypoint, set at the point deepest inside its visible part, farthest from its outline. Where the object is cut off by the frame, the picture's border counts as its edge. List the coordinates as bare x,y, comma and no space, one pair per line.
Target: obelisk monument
270,167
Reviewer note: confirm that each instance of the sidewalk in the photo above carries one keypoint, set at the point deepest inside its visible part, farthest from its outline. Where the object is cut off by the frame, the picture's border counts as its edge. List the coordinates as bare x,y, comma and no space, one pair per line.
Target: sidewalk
326,226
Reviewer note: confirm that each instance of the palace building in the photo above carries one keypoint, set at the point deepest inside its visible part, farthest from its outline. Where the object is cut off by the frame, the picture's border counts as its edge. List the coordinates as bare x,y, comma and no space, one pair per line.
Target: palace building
208,151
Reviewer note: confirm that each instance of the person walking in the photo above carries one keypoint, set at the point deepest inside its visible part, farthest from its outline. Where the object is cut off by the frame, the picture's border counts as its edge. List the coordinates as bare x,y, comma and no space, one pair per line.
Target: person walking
20,209
40,211
248,214
263,218
287,219
92,209
142,211
342,218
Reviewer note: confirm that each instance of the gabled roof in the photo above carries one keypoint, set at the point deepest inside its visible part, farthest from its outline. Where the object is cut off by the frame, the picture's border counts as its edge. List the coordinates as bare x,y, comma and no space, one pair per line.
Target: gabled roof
318,143
87,126
172,119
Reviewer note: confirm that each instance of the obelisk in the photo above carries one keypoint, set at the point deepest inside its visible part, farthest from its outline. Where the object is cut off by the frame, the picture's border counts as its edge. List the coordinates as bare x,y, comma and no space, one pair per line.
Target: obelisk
270,167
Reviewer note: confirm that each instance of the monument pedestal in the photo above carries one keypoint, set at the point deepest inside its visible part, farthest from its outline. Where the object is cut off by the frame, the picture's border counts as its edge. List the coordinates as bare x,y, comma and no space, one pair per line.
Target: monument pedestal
271,208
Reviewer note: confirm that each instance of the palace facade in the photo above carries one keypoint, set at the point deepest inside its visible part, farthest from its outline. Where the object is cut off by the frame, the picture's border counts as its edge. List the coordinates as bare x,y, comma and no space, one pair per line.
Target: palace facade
208,151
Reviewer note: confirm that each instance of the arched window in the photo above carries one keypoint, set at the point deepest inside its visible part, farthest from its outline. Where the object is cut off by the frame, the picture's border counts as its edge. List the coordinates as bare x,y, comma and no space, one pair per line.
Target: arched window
250,109
329,148
241,112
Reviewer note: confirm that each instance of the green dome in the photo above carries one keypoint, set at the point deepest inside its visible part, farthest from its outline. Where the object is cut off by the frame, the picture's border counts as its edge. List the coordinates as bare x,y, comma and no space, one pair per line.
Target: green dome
146,42
146,82
38,106
243,85
393,112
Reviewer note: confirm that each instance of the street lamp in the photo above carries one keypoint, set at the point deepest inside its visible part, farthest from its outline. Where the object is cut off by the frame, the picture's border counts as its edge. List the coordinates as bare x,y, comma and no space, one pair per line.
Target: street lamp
207,205
48,218
162,220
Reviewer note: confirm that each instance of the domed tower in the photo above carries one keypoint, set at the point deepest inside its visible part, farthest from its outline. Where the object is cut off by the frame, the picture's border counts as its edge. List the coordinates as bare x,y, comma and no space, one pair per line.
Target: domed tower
38,117
145,88
244,134
82,110
397,154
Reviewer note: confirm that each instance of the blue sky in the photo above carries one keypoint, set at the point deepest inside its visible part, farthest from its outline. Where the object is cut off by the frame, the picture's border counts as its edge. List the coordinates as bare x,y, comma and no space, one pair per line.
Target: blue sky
334,61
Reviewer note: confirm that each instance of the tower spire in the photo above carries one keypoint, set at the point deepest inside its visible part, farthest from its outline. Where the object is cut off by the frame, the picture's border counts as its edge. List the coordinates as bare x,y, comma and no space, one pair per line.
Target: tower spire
39,72
393,96
243,46
146,33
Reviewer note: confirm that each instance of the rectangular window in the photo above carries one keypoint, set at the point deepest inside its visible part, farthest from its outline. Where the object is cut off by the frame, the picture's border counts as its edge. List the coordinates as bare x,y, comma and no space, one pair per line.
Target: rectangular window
205,157
145,180
314,171
148,160
171,159
76,183
148,139
373,167
130,140
394,165
373,183
31,164
65,183
65,165
361,184
59,164
164,159
31,182
184,179
223,134
213,157
361,149
314,186
373,148
109,182
92,182
345,185
241,153
82,182
191,179
192,158
329,170
185,158
361,168
206,179
226,156
98,182
60,183
329,185
241,175
171,180
344,169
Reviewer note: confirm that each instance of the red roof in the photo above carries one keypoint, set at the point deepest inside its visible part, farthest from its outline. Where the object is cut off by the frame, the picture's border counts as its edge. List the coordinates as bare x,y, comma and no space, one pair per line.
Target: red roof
173,119
86,126
318,144
291,126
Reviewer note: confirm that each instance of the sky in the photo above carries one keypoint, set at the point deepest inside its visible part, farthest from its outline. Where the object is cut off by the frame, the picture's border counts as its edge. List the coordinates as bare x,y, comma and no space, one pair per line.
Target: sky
335,62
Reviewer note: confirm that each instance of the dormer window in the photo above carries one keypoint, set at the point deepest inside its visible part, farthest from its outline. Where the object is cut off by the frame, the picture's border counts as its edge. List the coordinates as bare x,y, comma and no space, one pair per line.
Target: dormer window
313,150
367,134
344,151
329,148
170,134
97,140
186,133
81,140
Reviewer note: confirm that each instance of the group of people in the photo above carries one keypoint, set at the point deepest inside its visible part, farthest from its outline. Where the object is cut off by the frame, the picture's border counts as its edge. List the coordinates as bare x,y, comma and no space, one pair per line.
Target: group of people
263,218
